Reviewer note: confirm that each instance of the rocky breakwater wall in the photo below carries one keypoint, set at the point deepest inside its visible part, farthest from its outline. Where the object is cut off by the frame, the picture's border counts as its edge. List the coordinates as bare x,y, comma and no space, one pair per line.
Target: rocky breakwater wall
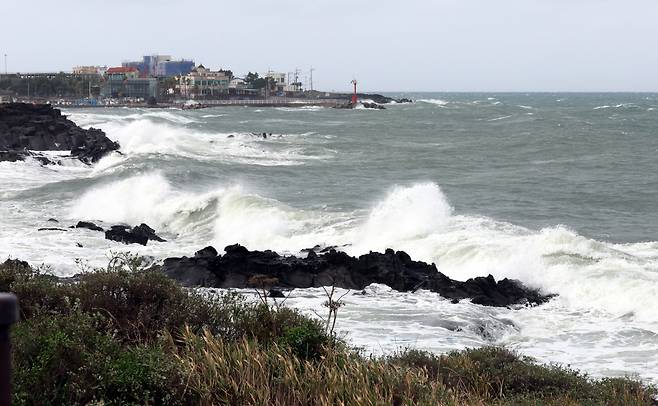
241,268
26,129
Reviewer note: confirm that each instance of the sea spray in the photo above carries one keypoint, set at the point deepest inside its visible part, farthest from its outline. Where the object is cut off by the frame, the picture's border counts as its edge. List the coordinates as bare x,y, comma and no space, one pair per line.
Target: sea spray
587,274
147,198
406,214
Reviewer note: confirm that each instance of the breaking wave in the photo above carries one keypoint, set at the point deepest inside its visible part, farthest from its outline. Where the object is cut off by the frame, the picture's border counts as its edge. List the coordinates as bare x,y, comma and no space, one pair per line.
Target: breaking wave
145,137
437,102
619,279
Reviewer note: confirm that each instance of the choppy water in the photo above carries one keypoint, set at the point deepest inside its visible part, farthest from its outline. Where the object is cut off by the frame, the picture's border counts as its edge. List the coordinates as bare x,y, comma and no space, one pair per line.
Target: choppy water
557,190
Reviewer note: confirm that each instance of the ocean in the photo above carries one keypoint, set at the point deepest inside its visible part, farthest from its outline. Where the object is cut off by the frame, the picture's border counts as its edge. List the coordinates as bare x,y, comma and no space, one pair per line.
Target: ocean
559,191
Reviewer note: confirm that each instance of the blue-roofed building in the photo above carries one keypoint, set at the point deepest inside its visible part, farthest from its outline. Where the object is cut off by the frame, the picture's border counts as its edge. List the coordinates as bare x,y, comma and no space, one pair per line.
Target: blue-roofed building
160,66
174,68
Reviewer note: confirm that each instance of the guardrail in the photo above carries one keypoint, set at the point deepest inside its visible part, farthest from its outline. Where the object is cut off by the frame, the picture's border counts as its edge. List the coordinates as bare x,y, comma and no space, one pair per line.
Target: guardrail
262,102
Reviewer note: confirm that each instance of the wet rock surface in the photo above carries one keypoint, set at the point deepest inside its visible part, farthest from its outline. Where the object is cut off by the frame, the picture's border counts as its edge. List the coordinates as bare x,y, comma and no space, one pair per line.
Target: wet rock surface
26,128
140,234
239,268
89,225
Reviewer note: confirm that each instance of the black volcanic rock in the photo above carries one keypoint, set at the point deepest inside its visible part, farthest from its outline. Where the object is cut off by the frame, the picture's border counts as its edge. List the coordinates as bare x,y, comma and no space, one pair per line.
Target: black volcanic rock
140,234
89,225
373,106
25,128
237,267
207,252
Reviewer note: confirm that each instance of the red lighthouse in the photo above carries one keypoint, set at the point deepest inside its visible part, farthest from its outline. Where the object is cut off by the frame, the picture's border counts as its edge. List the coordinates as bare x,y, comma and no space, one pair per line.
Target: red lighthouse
354,95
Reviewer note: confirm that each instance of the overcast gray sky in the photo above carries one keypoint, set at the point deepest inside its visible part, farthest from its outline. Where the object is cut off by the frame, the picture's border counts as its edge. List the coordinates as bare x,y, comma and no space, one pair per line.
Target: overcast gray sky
400,45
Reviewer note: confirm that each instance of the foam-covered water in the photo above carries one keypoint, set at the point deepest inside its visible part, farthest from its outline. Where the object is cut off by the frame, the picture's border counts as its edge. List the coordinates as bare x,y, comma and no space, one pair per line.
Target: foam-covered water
557,191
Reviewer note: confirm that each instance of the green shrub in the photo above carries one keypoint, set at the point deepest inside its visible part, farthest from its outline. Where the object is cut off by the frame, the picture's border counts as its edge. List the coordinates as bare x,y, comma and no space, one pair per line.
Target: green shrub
497,373
64,359
306,339
138,304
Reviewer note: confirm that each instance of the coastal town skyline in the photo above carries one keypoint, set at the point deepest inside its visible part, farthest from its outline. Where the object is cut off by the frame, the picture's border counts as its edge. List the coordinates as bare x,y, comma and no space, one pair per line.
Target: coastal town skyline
515,46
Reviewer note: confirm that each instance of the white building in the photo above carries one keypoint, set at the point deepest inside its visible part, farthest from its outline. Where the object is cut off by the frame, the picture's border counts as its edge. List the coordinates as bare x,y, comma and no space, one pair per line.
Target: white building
202,82
237,83
283,83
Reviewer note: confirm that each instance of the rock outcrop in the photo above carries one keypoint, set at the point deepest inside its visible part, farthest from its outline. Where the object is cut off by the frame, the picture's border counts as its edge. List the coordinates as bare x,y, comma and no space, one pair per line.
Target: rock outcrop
88,225
25,128
140,234
238,267
373,106
367,105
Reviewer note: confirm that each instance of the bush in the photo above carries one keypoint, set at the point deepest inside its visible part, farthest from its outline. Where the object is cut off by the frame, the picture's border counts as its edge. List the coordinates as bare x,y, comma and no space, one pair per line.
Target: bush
137,304
64,359
497,373
305,339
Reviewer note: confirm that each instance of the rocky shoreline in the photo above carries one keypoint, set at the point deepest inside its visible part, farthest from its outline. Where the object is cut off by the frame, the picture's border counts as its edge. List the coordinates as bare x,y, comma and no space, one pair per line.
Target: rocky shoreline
241,268
26,129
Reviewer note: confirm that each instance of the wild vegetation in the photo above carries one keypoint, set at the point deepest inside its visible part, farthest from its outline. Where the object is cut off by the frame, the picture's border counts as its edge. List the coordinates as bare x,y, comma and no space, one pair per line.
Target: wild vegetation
129,335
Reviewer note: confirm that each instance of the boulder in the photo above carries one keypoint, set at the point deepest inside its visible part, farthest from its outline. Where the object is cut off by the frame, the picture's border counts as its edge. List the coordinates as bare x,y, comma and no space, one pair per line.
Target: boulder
89,225
140,234
238,266
373,106
25,128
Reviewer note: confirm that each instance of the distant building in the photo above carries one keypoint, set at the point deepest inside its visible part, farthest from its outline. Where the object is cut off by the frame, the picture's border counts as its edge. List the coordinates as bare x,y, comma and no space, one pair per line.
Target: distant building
6,96
237,83
282,83
126,82
89,70
141,68
204,83
278,79
160,66
173,68
122,72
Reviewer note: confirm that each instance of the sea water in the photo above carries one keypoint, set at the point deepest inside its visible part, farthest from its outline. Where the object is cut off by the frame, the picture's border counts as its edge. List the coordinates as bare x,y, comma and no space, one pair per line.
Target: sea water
559,191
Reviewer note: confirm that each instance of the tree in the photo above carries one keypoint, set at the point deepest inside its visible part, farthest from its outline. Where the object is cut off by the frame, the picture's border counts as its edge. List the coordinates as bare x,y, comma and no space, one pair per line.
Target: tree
251,77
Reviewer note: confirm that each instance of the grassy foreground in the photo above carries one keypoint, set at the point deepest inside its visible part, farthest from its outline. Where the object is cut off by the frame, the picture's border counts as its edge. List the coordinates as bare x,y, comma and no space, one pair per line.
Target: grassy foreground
126,335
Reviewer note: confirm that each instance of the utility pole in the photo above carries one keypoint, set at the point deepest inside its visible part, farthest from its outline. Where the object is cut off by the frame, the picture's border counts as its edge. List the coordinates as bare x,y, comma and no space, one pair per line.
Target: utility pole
267,86
311,80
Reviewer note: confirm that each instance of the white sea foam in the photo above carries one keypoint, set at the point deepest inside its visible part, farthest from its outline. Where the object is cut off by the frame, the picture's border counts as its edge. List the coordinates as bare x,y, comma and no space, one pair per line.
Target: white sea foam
588,275
406,214
148,198
145,137
437,102
618,106
500,118
301,108
618,279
